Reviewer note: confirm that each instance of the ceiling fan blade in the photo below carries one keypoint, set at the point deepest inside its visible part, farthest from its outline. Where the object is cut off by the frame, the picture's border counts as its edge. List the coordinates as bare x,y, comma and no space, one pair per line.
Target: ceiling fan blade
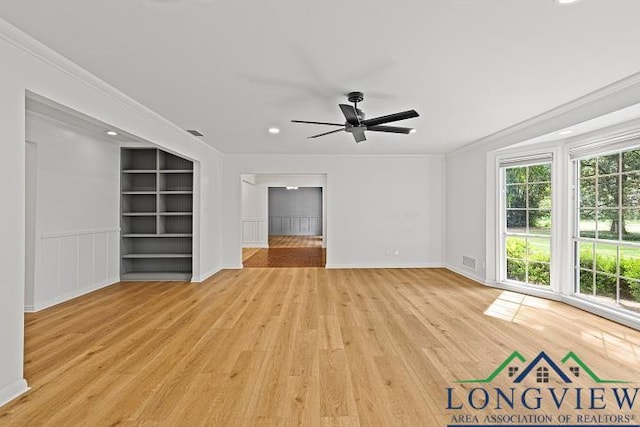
317,123
409,114
325,133
391,129
358,134
350,114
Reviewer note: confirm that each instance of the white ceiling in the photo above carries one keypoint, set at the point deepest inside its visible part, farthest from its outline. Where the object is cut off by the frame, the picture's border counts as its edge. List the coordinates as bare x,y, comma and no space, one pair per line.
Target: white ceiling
232,69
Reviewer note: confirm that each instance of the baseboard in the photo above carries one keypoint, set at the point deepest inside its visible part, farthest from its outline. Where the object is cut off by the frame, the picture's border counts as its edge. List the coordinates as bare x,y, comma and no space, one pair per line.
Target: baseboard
400,265
10,392
204,276
252,245
466,273
69,295
232,267
628,320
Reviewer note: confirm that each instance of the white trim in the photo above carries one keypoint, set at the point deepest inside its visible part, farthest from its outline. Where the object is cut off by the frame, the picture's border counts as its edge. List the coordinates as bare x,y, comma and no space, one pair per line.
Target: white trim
545,121
373,156
614,315
232,267
529,156
525,160
21,40
204,276
618,316
533,290
70,295
256,245
616,143
45,236
362,266
10,392
466,273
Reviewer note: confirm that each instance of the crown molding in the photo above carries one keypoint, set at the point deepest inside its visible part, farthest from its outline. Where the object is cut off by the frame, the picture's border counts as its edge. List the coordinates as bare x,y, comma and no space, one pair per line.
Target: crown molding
607,99
24,42
346,156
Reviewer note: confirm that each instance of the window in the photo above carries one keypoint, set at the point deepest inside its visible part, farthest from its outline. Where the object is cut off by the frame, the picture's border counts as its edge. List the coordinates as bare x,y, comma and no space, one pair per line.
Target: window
607,234
526,222
542,375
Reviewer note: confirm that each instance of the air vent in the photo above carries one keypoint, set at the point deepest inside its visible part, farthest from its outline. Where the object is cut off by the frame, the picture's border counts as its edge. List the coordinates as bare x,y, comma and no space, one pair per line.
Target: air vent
468,261
195,132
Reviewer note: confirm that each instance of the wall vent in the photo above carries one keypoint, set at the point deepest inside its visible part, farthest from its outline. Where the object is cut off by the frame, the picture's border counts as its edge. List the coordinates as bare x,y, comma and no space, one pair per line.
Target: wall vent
195,132
468,261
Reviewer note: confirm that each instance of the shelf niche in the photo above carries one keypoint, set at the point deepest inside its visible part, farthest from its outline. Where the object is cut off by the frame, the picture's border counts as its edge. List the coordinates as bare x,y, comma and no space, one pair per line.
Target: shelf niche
156,215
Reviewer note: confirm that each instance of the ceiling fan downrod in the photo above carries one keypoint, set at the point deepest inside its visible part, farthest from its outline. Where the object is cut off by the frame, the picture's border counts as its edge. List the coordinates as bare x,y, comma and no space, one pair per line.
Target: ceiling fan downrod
356,97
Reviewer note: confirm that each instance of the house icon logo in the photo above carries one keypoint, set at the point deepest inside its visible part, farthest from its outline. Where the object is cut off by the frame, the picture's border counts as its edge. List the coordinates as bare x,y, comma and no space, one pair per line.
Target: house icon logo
520,391
543,368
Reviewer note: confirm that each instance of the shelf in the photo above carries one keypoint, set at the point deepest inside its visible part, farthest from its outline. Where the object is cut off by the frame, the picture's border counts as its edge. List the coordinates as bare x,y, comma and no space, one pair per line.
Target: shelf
139,193
133,235
138,224
156,240
178,276
139,182
130,256
139,171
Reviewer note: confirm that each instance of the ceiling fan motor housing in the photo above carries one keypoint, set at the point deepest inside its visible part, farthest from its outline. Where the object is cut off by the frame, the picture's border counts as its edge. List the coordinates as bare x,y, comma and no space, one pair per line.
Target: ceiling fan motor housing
355,97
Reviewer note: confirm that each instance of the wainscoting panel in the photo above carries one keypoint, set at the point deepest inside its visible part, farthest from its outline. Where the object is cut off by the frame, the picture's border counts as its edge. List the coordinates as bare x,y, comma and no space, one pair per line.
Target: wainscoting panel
254,233
100,246
72,264
295,225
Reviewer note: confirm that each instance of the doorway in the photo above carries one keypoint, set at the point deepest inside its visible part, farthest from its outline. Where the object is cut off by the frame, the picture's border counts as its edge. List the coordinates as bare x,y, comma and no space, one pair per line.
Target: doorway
284,220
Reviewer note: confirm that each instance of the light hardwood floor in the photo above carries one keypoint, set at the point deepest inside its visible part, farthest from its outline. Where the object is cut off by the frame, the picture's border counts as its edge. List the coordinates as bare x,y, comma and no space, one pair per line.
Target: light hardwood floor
295,241
286,251
305,346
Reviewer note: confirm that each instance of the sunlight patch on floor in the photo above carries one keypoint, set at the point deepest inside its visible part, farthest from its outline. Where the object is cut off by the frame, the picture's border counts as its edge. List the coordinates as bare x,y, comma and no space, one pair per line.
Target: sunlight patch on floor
510,306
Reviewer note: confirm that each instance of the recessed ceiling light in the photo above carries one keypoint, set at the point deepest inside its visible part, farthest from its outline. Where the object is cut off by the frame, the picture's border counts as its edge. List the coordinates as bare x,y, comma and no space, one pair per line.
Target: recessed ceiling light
274,131
565,132
413,131
112,133
291,188
566,1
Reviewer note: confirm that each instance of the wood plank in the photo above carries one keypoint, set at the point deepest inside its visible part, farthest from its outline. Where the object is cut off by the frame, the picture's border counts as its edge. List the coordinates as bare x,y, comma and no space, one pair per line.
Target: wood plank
278,347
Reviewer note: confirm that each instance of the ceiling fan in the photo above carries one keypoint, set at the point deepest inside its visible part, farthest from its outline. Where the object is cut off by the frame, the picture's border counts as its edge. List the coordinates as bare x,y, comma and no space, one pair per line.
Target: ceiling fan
356,124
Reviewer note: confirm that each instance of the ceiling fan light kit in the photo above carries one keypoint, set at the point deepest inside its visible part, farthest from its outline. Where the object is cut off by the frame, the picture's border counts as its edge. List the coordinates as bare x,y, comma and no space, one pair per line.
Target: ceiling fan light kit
356,122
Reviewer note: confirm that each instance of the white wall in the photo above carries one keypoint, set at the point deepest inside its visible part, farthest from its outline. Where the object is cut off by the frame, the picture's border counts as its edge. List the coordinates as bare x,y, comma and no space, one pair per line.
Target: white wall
469,229
254,215
466,211
76,220
375,206
28,65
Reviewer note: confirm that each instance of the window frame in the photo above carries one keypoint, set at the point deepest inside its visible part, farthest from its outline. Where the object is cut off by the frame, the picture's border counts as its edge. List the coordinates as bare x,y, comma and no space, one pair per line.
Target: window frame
546,157
576,210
